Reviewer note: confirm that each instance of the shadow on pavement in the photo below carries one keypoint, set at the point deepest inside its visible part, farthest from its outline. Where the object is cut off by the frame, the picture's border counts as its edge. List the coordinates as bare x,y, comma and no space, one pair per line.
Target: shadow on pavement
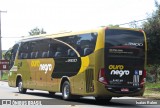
57,100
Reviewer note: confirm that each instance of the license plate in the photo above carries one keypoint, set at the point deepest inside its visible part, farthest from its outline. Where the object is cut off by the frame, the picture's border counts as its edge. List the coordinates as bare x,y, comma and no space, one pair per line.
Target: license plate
124,89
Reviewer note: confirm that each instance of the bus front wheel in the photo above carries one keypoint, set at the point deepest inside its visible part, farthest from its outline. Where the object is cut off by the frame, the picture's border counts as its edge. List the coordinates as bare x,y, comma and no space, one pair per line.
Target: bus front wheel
66,93
20,87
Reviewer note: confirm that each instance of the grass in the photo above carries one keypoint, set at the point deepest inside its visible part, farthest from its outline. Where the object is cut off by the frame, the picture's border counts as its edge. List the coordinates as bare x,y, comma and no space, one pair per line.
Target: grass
5,76
152,91
153,85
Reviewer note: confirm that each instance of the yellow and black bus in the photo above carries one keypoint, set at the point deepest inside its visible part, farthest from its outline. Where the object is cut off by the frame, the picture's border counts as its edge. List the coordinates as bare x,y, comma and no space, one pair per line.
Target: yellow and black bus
104,63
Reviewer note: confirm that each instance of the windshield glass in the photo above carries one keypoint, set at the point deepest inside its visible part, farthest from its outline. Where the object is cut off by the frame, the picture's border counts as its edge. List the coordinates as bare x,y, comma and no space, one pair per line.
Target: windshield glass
124,42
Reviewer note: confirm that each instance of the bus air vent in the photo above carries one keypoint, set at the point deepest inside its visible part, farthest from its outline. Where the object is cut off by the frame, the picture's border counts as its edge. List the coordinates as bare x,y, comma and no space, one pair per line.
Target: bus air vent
89,80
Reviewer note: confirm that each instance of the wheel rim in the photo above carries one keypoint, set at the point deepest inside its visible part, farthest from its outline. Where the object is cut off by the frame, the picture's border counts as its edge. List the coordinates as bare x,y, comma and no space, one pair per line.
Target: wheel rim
20,86
66,91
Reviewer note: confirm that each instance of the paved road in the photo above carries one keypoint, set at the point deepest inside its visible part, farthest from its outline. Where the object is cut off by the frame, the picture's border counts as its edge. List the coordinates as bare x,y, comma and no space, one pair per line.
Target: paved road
12,94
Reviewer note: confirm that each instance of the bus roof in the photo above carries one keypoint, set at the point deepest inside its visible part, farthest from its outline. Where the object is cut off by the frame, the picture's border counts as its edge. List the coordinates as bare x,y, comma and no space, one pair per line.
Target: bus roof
60,34
69,33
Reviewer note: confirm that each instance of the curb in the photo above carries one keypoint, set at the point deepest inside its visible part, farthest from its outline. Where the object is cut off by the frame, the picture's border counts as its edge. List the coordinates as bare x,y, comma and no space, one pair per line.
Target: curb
4,80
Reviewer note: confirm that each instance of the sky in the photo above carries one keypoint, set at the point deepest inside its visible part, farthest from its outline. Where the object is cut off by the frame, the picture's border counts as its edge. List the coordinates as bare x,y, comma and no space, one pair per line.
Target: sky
70,15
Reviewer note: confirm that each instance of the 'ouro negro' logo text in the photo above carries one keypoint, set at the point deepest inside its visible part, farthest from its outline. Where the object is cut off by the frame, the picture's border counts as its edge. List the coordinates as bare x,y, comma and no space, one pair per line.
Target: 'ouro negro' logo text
45,67
42,67
118,70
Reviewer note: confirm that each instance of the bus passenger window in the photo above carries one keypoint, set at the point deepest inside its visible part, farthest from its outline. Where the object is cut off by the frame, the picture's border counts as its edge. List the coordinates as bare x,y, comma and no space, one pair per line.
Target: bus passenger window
87,51
44,54
58,54
13,54
84,44
71,53
50,54
23,55
34,55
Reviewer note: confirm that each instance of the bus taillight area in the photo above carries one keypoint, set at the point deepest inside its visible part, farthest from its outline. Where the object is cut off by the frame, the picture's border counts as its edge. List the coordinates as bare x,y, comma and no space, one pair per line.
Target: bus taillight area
142,83
102,76
118,86
124,80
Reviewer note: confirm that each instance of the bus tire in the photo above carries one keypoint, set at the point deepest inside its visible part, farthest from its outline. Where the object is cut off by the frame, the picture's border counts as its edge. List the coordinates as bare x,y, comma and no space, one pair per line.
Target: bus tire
20,87
66,91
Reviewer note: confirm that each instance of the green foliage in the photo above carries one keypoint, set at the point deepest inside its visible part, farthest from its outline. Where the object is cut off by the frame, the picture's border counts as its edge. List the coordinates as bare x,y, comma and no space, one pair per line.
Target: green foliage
5,76
153,73
152,30
36,31
152,85
110,25
152,90
3,54
135,24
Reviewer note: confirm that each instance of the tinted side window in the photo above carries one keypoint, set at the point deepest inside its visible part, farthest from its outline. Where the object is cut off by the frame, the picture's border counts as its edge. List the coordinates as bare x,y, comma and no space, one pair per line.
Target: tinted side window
115,37
24,50
87,43
84,44
59,49
35,49
124,42
40,49
13,54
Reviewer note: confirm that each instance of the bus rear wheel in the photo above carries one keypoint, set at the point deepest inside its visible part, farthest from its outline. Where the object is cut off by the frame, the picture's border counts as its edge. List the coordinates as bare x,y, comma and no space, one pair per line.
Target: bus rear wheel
66,93
20,87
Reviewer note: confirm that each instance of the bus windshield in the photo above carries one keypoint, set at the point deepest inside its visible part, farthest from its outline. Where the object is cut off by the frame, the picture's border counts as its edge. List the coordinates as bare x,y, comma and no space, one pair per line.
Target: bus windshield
124,42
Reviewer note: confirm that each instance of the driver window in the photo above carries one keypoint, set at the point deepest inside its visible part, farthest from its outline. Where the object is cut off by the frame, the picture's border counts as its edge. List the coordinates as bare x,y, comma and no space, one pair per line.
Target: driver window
13,54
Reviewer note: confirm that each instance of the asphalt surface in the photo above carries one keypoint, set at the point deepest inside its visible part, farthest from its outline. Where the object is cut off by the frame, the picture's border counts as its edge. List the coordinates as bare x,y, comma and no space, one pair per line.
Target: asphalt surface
43,99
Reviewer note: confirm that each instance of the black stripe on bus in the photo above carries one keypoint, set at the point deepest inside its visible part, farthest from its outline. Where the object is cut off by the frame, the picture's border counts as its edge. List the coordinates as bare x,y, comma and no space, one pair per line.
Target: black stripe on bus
66,67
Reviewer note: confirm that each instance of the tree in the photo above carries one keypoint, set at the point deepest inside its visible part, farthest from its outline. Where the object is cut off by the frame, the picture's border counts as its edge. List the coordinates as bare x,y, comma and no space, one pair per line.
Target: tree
111,25
36,31
133,24
152,30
